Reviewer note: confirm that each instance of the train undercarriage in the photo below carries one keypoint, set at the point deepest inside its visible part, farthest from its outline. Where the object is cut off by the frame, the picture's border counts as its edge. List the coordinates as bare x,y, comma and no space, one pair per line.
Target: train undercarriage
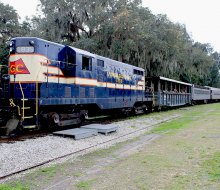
20,115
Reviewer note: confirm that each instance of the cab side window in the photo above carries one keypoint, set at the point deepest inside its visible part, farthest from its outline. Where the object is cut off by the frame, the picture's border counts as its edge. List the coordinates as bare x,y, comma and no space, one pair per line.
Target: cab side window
100,63
86,63
70,59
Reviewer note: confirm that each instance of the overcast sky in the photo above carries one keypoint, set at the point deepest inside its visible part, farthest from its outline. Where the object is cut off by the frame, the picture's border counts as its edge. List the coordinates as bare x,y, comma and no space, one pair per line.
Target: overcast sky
201,17
23,7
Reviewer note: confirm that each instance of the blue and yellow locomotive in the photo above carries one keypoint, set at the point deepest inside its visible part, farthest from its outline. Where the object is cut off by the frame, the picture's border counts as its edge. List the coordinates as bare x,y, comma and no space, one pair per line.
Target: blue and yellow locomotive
60,85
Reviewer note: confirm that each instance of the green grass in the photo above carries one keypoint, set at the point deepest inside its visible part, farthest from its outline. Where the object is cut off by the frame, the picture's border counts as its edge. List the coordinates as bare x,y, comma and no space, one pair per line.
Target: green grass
133,127
107,151
48,172
78,174
44,175
212,166
84,184
177,158
13,187
186,119
172,126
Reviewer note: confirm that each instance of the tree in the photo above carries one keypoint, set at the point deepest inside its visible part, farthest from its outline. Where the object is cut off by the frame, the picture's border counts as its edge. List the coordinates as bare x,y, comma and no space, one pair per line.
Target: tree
214,71
126,31
8,27
8,22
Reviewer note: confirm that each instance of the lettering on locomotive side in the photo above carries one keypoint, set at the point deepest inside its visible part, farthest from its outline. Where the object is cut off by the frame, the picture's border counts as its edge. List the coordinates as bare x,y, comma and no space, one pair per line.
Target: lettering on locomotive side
118,77
18,67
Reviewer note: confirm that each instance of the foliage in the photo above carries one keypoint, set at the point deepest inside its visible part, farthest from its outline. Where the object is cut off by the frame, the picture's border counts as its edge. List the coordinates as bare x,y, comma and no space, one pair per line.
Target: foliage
125,31
3,54
8,21
8,28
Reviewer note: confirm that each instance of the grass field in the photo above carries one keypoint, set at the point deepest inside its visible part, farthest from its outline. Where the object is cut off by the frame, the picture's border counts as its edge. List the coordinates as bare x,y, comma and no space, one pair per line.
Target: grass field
186,156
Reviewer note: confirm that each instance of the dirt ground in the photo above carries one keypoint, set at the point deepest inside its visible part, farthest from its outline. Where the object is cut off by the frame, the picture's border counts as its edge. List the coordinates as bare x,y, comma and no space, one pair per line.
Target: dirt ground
181,154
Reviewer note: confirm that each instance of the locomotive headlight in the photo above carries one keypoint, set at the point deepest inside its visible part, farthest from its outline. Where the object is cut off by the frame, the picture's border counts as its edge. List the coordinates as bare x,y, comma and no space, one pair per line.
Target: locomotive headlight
31,43
11,44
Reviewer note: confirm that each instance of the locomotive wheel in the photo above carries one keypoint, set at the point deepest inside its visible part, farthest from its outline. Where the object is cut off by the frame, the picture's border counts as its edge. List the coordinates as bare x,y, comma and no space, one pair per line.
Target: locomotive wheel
53,120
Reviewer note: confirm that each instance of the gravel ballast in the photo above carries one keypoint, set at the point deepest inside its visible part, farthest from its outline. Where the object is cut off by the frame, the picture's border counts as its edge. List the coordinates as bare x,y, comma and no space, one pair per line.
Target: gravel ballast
25,154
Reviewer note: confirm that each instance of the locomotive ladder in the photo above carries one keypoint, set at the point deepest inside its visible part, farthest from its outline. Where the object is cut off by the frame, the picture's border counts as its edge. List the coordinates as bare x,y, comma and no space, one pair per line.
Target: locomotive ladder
23,108
36,102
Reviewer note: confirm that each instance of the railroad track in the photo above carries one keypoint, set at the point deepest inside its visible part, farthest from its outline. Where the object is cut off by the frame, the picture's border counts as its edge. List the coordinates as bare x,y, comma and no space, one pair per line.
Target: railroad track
41,133
82,150
23,137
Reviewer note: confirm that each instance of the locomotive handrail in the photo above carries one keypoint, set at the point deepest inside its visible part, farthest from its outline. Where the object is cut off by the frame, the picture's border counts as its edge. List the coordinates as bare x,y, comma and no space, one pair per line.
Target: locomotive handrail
22,93
48,61
4,66
37,91
12,104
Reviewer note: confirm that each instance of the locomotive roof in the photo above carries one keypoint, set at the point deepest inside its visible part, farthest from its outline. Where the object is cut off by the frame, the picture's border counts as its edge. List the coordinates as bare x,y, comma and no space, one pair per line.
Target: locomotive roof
35,38
124,64
83,52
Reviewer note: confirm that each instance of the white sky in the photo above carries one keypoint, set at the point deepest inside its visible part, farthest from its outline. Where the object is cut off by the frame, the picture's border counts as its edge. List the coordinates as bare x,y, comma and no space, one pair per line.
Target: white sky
23,7
201,17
